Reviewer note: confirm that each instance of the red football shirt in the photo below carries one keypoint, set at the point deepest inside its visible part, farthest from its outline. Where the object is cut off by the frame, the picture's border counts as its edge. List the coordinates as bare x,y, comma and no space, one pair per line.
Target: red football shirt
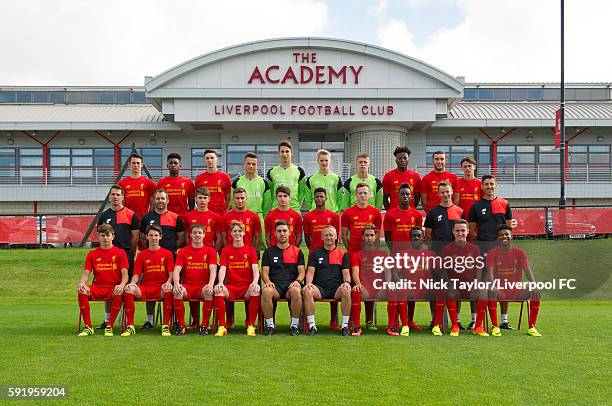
507,265
465,270
238,262
425,266
469,193
138,193
364,259
399,222
314,221
179,190
219,184
106,265
355,219
211,222
154,266
393,180
248,218
429,186
195,264
291,216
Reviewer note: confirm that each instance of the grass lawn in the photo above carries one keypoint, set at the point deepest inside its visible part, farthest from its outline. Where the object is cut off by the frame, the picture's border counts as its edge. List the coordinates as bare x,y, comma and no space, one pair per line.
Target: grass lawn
570,363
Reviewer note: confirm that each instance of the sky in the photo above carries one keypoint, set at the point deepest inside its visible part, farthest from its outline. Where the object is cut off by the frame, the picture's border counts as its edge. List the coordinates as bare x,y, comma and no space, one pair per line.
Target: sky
119,42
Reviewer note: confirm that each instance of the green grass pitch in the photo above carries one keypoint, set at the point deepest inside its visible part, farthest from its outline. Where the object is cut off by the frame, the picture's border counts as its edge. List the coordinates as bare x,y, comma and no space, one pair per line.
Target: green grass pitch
569,364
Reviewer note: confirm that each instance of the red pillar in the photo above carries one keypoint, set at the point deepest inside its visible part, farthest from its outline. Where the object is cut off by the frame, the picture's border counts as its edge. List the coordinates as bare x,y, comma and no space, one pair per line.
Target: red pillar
116,150
494,158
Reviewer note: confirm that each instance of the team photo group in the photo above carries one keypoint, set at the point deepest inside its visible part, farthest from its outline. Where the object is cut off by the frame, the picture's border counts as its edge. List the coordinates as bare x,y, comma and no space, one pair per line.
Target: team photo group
302,238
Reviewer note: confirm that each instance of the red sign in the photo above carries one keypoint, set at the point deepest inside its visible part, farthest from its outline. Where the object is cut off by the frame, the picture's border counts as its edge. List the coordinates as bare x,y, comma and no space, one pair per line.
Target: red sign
557,128
305,74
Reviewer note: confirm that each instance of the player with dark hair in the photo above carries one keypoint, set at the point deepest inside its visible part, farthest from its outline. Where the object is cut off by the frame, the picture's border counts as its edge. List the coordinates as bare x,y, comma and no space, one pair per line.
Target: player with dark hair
470,187
397,225
179,188
393,179
217,181
283,212
155,265
485,216
138,188
109,264
198,264
211,221
238,279
430,197
283,273
289,175
316,219
356,217
327,179
375,199
328,277
440,219
240,213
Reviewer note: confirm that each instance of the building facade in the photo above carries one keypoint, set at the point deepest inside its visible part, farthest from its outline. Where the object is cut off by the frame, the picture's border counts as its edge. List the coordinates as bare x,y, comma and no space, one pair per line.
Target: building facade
60,148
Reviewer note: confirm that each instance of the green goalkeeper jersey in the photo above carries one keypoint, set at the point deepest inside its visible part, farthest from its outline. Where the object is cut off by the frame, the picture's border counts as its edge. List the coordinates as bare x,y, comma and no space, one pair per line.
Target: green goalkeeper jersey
376,191
333,186
258,193
294,178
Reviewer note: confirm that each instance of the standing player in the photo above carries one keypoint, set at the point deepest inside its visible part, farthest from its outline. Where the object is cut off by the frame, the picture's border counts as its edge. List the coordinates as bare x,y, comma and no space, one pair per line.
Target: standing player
173,234
326,179
257,189
485,216
109,265
289,175
328,277
250,220
397,225
395,178
155,265
507,264
440,219
429,184
363,275
138,189
125,225
198,264
238,279
363,176
179,188
217,181
282,271
283,212
356,217
211,221
317,219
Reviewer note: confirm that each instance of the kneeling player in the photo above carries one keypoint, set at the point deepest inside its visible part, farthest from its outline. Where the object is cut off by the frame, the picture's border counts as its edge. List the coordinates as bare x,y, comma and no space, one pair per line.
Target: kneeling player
506,264
363,276
328,277
238,279
198,263
155,264
282,271
109,265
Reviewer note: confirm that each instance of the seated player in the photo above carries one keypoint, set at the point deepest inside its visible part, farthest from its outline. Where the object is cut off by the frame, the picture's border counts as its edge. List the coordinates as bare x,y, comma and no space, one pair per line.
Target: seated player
238,279
155,264
198,264
109,265
506,264
363,275
282,271
328,277
464,271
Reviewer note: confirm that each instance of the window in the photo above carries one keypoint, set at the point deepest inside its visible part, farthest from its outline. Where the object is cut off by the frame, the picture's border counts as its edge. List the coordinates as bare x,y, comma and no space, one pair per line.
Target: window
30,162
152,159
334,143
24,97
470,94
455,153
122,97
267,157
7,97
485,94
57,97
104,158
74,97
501,94
548,155
107,97
40,97
71,163
7,162
139,97
534,94
519,94
90,97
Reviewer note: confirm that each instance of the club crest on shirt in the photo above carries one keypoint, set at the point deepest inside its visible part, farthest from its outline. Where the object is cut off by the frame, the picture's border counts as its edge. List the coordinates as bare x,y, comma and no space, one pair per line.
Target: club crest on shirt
190,257
147,261
231,257
98,259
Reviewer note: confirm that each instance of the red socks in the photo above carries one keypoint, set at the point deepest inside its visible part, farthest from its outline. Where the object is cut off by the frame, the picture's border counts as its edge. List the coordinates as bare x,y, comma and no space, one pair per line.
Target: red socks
534,308
115,308
451,305
403,312
207,307
84,308
356,308
219,303
179,311
392,314
439,309
129,307
492,305
253,310
167,307
481,309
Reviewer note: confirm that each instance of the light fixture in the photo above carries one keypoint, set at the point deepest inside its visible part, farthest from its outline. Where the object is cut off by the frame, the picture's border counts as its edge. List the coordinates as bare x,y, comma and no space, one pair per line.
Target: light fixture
10,141
8,133
81,141
34,132
152,134
577,129
529,138
152,141
458,138
109,132
600,138
503,129
529,131
235,138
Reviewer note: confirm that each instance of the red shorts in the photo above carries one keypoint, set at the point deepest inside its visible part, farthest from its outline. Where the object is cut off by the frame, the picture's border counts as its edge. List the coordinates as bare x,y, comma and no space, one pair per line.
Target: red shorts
150,293
237,292
193,292
101,292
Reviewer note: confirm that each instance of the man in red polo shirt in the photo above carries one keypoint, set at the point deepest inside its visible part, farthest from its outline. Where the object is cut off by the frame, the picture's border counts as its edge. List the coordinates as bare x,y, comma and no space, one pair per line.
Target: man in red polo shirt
239,213
179,188
138,189
394,178
430,182
217,181
317,219
211,221
470,190
356,217
283,212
